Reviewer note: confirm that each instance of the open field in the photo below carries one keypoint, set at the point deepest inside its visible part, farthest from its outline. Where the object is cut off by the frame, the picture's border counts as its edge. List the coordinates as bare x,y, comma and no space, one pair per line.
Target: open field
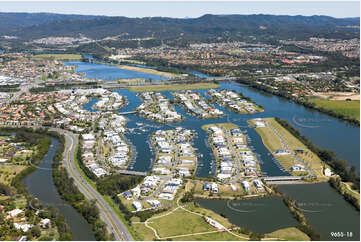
178,223
8,172
57,57
216,236
227,126
291,233
348,108
175,87
273,143
128,80
337,95
147,70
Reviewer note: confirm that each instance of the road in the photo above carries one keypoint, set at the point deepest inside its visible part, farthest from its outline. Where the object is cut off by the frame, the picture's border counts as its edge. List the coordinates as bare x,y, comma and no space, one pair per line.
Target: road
115,225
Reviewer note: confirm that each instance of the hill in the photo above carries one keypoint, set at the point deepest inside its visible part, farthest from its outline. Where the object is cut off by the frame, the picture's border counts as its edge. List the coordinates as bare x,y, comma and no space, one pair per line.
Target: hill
208,26
12,22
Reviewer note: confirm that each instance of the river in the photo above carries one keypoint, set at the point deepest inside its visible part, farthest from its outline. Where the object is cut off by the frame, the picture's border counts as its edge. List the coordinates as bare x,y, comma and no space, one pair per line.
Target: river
322,130
110,72
325,210
41,185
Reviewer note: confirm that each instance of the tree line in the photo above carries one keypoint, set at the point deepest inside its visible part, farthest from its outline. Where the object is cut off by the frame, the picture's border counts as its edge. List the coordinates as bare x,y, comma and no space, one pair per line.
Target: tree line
70,193
339,166
40,139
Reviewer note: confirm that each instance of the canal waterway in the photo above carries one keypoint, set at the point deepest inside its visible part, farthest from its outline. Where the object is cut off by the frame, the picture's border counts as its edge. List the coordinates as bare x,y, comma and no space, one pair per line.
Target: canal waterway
40,184
322,130
110,72
325,210
258,214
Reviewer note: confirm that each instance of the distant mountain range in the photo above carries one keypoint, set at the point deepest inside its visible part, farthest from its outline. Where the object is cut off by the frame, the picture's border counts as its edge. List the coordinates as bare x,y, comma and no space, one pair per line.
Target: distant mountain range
29,26
11,22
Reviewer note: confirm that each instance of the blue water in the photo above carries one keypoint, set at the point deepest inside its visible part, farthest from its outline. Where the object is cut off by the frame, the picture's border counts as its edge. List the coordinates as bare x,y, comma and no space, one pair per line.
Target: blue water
40,184
322,130
199,74
316,126
109,72
89,105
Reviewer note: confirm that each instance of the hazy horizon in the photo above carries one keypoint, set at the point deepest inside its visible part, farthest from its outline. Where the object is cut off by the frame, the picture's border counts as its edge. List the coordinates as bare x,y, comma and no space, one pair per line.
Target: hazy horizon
186,9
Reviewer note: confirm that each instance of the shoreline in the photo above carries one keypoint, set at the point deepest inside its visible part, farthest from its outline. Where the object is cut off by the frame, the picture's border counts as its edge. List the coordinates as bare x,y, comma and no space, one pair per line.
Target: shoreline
306,104
147,70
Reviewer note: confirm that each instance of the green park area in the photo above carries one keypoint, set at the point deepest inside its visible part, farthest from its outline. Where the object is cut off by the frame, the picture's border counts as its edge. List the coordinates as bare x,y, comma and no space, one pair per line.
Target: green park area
290,234
61,57
175,87
275,137
349,109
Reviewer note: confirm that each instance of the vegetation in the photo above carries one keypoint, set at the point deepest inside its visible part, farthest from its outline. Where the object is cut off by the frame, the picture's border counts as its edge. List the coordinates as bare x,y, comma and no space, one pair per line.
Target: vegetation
304,226
351,196
158,88
350,109
70,193
40,139
301,101
273,143
339,166
115,184
289,234
180,222
61,57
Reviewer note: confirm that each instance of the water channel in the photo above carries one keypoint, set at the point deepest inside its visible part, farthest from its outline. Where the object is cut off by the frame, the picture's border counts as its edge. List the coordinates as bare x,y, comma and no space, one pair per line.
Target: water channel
322,130
41,185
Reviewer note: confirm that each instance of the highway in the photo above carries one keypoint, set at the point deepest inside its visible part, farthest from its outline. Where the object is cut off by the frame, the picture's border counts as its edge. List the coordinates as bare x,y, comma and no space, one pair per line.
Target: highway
115,225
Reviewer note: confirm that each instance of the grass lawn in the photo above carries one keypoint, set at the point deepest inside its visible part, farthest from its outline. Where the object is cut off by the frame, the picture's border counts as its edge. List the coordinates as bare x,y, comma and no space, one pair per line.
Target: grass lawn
291,233
144,233
227,126
180,222
348,108
217,236
175,87
273,142
148,70
57,57
7,173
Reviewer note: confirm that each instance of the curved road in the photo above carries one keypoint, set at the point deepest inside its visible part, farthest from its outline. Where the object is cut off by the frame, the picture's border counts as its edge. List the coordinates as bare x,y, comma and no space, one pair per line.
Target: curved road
115,225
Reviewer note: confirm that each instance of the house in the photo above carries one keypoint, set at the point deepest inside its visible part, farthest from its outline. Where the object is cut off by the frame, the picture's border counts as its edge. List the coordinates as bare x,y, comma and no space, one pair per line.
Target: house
24,227
136,191
14,213
246,185
154,203
206,186
258,184
327,172
214,187
298,167
127,195
282,152
137,205
44,222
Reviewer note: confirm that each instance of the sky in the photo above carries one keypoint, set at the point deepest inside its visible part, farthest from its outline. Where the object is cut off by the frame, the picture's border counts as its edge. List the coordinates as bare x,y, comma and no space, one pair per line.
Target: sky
338,9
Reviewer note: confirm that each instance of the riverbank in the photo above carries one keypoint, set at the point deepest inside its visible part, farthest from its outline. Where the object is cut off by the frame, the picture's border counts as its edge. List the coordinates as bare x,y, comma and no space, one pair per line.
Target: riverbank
29,211
59,57
350,109
148,70
292,154
70,193
173,87
299,101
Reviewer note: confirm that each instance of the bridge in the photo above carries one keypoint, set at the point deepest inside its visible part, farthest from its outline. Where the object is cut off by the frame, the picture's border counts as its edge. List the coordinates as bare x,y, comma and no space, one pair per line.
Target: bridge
222,78
132,173
282,179
124,113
